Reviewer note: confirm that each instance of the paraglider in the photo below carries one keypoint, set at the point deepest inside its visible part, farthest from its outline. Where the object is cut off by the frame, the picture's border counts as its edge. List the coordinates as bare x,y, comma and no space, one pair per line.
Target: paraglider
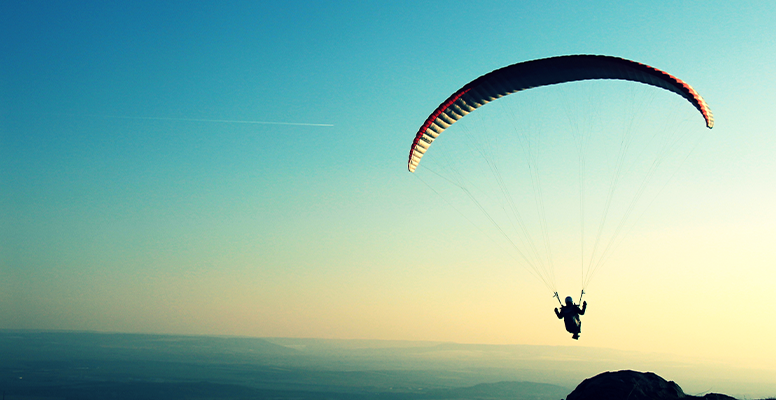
570,313
532,243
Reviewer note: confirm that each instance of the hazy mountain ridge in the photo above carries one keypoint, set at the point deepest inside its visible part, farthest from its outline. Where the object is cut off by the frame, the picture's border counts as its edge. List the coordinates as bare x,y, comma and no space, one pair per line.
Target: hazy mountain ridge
69,362
202,390
71,345
89,365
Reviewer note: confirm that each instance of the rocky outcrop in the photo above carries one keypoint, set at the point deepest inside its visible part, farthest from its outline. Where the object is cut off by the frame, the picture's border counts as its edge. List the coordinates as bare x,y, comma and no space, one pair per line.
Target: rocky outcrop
633,385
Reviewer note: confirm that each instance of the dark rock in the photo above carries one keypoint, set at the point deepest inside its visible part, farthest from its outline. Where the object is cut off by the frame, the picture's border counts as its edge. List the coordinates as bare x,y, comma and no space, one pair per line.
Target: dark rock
714,396
632,385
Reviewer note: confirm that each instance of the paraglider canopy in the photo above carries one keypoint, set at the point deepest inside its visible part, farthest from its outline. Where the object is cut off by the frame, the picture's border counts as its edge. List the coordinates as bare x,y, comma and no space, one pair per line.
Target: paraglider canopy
542,72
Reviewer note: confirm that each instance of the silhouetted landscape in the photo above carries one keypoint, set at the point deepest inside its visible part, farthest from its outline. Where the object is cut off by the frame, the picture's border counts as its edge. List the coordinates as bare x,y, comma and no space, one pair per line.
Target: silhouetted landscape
86,365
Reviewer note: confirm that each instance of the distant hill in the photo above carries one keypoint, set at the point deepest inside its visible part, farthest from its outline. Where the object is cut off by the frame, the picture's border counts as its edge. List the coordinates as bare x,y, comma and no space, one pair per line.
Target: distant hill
633,385
503,390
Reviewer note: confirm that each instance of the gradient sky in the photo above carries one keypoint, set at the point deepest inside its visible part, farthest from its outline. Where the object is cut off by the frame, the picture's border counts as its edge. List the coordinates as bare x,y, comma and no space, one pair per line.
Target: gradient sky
122,209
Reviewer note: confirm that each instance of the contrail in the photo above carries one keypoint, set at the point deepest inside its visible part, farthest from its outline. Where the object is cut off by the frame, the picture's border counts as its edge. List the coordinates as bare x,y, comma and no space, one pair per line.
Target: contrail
227,121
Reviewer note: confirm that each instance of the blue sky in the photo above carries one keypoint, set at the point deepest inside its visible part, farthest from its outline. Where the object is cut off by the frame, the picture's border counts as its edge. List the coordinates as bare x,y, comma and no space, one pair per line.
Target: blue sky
121,213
